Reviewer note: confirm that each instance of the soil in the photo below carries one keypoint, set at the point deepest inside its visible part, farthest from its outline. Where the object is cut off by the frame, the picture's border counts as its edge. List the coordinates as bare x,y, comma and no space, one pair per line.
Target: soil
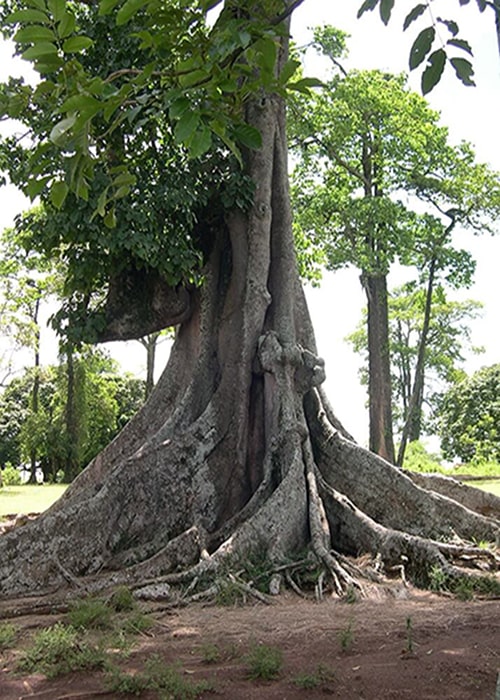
414,645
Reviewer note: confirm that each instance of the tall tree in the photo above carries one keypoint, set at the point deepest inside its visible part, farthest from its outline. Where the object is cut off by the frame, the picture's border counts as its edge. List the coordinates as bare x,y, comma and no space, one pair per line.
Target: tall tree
364,141
448,336
468,417
237,447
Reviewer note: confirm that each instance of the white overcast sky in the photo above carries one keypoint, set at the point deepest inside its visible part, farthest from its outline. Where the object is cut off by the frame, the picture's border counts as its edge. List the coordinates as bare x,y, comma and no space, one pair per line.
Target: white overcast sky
470,113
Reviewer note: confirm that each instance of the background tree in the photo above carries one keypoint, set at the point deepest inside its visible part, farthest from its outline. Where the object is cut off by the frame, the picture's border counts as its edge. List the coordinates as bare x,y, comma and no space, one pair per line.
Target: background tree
27,281
364,141
468,417
237,448
449,335
106,401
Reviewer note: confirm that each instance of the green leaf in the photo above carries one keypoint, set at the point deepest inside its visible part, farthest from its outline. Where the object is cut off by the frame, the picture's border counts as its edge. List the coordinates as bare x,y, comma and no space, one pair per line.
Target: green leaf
43,48
38,4
385,10
58,193
460,44
57,8
34,33
248,136
186,126
193,78
450,25
367,5
413,15
81,103
433,72
200,142
110,219
305,84
60,132
288,70
267,52
66,25
35,186
26,16
421,46
178,107
464,70
76,44
207,5
101,204
125,178
48,64
106,6
128,10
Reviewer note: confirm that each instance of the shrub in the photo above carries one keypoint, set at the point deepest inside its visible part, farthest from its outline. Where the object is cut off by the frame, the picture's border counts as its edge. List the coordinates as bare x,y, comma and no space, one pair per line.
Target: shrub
417,459
11,476
58,650
264,662
90,613
7,635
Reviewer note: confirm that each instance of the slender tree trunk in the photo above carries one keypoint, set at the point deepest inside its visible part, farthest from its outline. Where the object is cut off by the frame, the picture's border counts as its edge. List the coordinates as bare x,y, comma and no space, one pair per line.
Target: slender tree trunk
149,343
36,387
379,367
73,436
413,420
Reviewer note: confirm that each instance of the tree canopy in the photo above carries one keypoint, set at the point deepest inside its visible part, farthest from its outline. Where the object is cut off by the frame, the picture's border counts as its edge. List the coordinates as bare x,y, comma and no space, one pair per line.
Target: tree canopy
468,417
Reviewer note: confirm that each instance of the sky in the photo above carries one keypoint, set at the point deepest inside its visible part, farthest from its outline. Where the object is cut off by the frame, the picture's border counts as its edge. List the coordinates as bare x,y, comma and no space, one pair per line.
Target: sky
471,114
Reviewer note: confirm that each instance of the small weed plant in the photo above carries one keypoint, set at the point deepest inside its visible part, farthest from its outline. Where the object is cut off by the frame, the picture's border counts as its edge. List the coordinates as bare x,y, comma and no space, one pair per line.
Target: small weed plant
168,681
264,662
346,637
409,635
322,677
7,635
137,623
122,600
58,650
210,653
90,613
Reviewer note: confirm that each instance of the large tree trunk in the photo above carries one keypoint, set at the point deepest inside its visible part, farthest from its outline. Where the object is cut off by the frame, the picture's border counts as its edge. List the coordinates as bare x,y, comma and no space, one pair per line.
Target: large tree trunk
237,448
379,367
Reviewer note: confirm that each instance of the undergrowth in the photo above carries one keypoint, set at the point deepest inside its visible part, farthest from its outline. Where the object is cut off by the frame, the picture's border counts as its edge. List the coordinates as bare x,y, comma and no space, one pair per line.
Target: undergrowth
168,681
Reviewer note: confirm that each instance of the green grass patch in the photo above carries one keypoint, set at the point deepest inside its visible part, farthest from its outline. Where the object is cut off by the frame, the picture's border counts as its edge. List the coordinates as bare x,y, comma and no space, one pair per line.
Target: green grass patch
58,650
7,635
168,681
264,662
29,498
487,485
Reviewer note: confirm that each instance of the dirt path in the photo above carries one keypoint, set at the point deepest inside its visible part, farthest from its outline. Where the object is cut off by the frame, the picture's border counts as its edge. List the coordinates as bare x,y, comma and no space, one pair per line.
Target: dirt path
419,648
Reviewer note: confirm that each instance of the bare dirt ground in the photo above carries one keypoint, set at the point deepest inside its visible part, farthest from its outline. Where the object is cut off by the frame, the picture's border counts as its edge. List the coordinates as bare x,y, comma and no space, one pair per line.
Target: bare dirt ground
416,645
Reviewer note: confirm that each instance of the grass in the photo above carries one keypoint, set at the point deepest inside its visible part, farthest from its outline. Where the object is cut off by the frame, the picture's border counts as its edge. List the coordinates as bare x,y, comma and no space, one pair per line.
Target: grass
264,662
168,681
29,498
58,650
7,635
487,485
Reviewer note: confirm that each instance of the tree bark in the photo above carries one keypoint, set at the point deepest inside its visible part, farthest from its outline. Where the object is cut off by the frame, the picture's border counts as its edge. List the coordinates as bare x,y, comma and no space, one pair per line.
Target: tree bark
237,449
413,419
379,367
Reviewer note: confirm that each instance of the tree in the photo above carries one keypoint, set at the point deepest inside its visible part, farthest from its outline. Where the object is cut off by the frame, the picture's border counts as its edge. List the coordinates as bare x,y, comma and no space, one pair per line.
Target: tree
448,335
469,415
27,280
105,402
364,141
237,448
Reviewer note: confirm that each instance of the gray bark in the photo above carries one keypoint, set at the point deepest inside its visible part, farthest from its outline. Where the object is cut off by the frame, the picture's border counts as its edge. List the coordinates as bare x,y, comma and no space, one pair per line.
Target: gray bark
237,447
